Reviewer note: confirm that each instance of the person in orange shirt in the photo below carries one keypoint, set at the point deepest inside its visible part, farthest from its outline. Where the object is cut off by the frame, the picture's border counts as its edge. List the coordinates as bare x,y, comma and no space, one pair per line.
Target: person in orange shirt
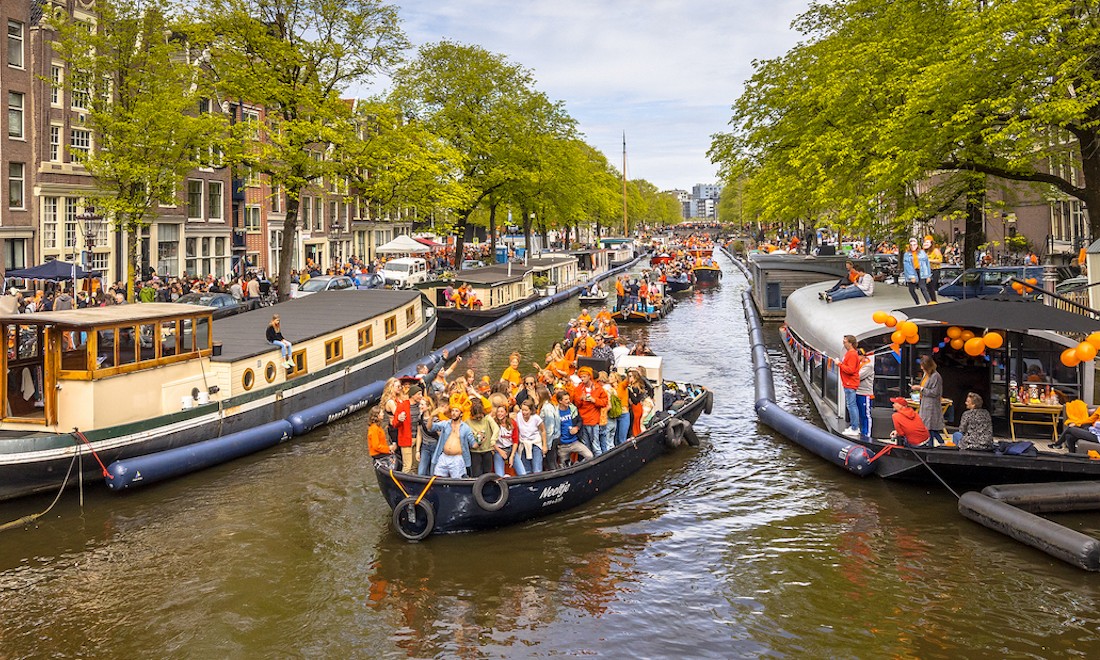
590,398
460,396
584,344
603,316
378,444
585,319
512,374
620,293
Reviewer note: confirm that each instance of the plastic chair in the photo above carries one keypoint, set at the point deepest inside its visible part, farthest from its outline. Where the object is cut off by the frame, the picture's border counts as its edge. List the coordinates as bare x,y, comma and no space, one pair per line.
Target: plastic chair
1077,412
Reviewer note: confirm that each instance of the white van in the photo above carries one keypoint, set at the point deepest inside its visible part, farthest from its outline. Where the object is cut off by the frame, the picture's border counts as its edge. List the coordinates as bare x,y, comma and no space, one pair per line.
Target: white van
405,272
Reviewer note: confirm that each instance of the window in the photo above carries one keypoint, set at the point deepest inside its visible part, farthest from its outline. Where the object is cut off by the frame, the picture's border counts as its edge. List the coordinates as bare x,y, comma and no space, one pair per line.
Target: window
15,115
270,372
15,44
276,201
70,222
391,326
252,219
248,380
318,213
307,213
49,223
168,249
366,337
55,144
80,142
214,198
410,316
99,260
56,84
81,91
15,185
300,366
190,252
194,199
334,350
15,253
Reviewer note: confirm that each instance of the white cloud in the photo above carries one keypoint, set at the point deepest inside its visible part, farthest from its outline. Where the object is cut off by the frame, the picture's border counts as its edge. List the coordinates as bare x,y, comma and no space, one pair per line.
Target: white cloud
663,71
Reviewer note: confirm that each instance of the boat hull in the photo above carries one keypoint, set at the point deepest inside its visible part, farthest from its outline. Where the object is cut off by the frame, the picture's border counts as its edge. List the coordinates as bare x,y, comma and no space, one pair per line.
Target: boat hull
644,317
678,287
453,318
533,496
35,464
707,276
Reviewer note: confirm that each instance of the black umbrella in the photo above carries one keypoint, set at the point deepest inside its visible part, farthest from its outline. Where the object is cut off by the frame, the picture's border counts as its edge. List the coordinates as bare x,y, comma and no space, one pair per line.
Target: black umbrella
1004,312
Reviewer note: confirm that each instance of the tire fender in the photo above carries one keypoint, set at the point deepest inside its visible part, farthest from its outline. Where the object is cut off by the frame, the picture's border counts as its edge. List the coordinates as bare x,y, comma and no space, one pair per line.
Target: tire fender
690,435
709,405
674,433
413,520
479,491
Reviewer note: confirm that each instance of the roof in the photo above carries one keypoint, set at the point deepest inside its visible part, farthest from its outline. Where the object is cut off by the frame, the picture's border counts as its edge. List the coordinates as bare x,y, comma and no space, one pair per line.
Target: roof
549,261
491,274
114,314
244,335
1007,312
402,244
823,325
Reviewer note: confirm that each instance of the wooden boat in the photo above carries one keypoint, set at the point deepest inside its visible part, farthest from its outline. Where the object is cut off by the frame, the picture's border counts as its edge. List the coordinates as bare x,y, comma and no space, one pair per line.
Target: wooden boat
660,258
812,336
593,298
679,286
131,380
423,505
648,316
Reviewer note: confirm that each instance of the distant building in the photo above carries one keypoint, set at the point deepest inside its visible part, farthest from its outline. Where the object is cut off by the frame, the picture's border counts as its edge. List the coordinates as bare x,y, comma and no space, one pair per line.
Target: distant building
684,198
704,200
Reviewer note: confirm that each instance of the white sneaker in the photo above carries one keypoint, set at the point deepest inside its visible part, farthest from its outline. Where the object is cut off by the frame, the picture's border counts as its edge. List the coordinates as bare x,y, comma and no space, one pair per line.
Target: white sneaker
850,433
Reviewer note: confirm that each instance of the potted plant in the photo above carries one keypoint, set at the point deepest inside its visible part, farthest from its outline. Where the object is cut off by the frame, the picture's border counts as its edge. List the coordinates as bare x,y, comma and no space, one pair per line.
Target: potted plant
540,282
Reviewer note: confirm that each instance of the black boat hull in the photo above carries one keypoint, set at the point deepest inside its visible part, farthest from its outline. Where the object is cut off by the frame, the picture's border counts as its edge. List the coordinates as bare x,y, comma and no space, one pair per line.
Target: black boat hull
678,287
453,318
707,276
456,510
644,317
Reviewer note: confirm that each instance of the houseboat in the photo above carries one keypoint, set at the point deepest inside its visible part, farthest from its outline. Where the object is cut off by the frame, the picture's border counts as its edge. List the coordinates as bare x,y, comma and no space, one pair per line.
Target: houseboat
110,383
558,270
1034,337
592,263
621,250
480,295
775,277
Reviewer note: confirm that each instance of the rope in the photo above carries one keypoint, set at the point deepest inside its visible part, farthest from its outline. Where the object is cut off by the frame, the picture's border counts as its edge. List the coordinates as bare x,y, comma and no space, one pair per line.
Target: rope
425,491
35,516
938,478
80,435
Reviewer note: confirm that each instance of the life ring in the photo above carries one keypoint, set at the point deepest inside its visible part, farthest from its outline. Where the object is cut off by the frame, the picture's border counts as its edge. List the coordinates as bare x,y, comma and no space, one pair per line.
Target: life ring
689,435
479,491
413,520
674,433
709,405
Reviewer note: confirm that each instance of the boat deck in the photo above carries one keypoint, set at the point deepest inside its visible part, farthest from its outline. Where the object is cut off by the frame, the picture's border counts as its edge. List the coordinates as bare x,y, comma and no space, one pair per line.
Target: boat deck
244,335
491,274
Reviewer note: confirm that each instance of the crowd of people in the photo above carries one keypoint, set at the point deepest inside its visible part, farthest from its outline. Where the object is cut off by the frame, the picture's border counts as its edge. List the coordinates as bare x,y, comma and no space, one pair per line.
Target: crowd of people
456,423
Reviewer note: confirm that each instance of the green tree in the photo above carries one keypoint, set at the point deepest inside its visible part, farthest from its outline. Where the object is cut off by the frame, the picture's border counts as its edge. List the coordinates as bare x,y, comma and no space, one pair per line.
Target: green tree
143,101
295,58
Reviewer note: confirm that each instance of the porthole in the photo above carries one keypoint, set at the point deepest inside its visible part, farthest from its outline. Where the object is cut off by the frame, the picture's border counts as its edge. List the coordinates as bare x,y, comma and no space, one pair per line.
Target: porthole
248,379
269,372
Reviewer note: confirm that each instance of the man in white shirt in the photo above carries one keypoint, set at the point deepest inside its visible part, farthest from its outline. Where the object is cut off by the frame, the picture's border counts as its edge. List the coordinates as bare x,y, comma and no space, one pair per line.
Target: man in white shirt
619,351
864,286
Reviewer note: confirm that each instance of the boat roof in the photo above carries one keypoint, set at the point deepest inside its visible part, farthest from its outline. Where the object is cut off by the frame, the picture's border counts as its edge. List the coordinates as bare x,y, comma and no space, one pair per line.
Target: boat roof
111,315
546,261
823,325
244,335
491,274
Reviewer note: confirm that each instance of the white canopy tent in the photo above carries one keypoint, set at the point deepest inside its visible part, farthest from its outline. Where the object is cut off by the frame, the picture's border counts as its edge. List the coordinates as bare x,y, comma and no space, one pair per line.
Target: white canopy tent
403,244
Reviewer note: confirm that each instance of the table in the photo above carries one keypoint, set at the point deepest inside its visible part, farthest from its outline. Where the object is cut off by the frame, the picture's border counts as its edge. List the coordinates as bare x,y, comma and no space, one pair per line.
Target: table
944,401
1047,416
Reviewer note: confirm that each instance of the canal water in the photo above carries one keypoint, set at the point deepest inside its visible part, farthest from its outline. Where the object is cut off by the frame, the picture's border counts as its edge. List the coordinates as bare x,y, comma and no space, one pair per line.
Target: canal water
745,547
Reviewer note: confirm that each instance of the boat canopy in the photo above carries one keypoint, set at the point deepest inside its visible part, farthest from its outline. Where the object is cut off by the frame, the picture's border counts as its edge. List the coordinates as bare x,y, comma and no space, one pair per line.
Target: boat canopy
1007,312
112,315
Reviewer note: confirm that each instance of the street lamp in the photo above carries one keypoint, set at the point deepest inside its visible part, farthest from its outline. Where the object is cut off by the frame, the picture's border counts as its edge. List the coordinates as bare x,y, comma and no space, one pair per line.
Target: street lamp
334,234
92,222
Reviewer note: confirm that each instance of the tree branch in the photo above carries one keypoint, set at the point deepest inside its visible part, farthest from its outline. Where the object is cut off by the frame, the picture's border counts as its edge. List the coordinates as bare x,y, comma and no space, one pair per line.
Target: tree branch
1037,177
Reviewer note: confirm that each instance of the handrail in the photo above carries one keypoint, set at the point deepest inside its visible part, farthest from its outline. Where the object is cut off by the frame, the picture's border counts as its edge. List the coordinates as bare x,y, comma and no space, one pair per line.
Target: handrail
1074,306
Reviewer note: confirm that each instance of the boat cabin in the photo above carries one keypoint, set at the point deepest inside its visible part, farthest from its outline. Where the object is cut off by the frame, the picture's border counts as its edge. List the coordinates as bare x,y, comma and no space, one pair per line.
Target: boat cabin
622,250
651,368
592,262
491,286
560,269
775,277
814,336
94,367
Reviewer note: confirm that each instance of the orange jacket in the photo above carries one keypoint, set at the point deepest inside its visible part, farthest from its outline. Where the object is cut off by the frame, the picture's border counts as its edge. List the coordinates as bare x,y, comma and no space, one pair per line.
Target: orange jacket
377,442
909,426
849,370
590,410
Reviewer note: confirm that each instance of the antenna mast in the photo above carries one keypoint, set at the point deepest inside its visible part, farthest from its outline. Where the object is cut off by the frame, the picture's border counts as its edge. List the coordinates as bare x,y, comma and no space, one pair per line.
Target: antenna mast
625,230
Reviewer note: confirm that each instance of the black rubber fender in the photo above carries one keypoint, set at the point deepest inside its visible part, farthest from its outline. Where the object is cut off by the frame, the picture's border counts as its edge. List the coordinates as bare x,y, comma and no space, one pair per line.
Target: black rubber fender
674,433
690,435
479,491
709,405
413,520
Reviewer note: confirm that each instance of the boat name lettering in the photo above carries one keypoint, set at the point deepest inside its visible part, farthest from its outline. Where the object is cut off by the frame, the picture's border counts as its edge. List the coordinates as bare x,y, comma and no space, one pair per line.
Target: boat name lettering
344,412
557,491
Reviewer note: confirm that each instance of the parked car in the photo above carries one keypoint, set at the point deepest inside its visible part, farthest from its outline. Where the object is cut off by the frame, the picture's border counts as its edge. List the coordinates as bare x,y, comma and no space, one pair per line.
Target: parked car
324,283
987,281
369,281
1072,285
223,303
405,272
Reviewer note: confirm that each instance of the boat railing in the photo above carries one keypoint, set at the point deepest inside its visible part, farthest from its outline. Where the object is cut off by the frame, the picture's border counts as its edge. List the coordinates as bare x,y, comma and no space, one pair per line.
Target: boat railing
1071,302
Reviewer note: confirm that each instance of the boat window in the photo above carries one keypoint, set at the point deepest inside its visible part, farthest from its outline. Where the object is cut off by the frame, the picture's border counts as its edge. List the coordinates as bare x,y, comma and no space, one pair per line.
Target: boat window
74,350
832,382
202,332
410,315
25,395
887,379
128,345
248,379
270,372
105,348
366,337
169,338
27,346
147,342
300,366
391,326
334,350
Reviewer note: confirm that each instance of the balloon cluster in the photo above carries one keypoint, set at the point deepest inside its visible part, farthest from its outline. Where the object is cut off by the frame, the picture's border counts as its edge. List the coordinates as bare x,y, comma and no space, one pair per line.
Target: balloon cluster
1083,352
907,332
1025,288
970,343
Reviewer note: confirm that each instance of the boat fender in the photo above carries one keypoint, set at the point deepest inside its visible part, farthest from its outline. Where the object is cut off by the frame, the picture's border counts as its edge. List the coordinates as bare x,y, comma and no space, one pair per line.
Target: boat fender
457,346
709,405
1056,540
1054,497
413,519
674,433
479,491
689,434
321,414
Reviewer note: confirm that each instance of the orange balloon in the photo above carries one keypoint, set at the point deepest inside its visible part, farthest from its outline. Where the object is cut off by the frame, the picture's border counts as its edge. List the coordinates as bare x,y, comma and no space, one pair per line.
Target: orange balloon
1032,280
912,339
957,344
1085,351
974,346
966,335
993,340
897,337
879,317
1094,339
1017,287
908,328
890,321
1069,357
895,347
954,332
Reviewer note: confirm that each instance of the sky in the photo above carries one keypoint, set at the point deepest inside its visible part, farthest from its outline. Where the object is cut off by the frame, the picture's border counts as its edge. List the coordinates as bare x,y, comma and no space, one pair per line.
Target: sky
665,72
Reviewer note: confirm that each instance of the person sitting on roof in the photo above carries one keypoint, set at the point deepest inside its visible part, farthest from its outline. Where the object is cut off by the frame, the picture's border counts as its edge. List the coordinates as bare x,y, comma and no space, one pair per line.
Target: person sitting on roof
863,287
908,427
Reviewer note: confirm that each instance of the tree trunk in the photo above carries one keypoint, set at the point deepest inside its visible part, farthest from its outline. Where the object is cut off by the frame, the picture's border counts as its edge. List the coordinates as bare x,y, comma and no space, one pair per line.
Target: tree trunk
545,234
286,250
493,231
460,238
975,220
132,237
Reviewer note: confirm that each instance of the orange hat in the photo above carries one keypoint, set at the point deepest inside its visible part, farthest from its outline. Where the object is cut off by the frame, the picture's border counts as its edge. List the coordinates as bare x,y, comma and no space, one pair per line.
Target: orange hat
585,370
